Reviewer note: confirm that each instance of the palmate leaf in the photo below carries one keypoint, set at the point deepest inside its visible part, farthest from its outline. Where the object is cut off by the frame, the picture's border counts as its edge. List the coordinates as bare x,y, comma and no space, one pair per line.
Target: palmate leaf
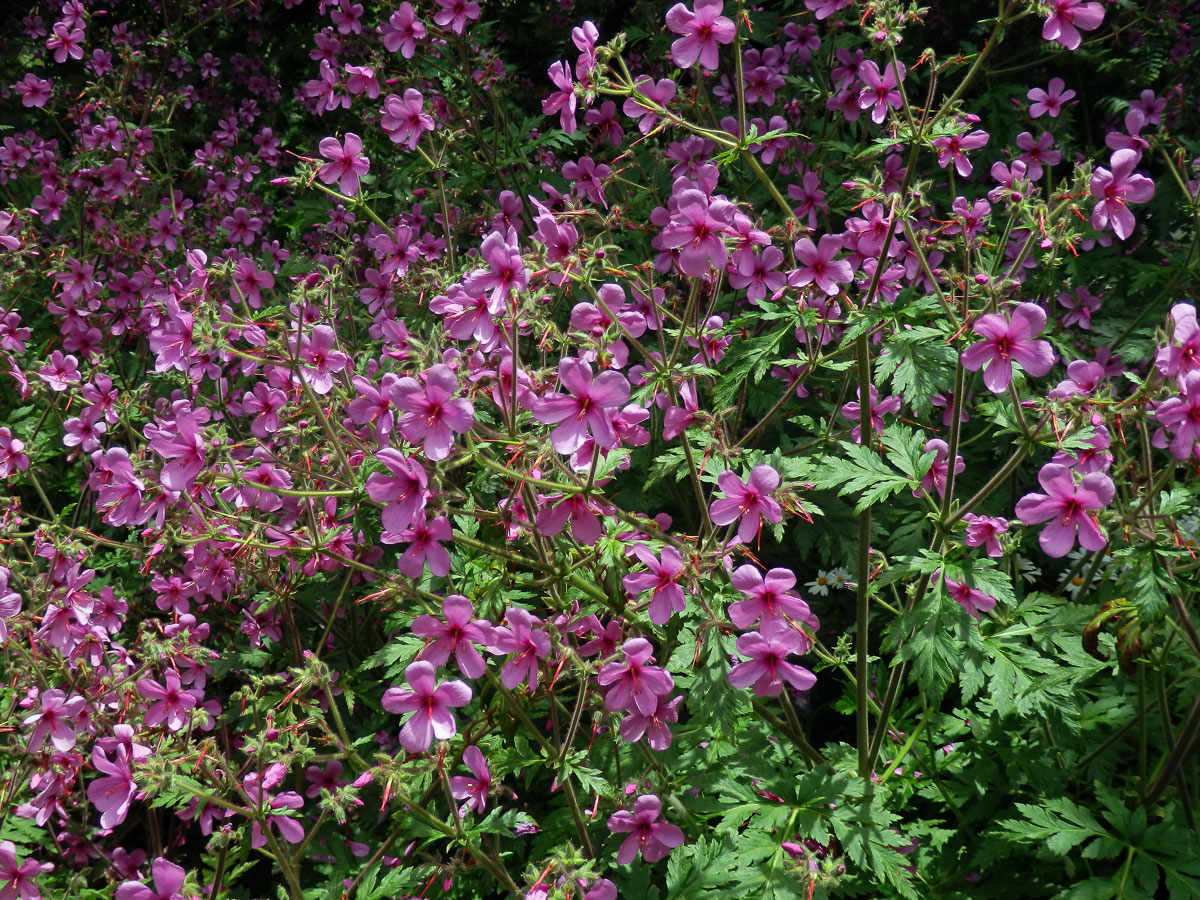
860,472
919,365
747,362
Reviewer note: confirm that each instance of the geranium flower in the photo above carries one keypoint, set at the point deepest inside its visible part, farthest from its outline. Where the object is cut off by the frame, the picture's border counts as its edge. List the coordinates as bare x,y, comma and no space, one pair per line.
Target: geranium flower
431,413
768,598
1067,17
1007,341
526,644
475,789
1049,102
749,501
1068,504
974,601
982,532
634,684
768,667
347,163
431,706
456,636
663,577
647,835
586,410
1116,187
703,30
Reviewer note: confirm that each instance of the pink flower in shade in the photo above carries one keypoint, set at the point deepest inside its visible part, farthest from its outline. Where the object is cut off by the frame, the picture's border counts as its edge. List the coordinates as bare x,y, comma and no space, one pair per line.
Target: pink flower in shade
525,643
982,532
506,273
1007,341
1180,415
587,410
1049,102
431,413
431,706
457,635
951,147
168,883
55,721
660,93
257,787
327,778
649,836
65,41
769,599
1182,356
634,684
12,454
112,793
768,667
1079,305
425,539
703,31
346,165
1067,505
1066,19
816,265
16,879
60,371
320,359
403,491
563,100
652,725
559,509
173,702
749,501
1037,153
10,604
473,789
971,599
663,577
1116,187
880,91
455,14
935,478
853,412
403,120
34,91
402,31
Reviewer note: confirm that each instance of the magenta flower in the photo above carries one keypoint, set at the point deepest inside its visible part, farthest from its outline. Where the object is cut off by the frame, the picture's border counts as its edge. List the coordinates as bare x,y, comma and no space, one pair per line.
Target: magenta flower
474,789
34,91
587,411
880,91
853,412
346,165
1174,360
982,532
768,598
1180,415
1116,187
431,706
320,359
768,667
16,879
816,265
525,643
168,883
425,539
652,725
635,685
60,371
455,14
403,491
749,501
173,702
939,470
257,787
457,636
430,413
10,604
647,835
695,230
563,100
641,106
403,119
703,31
55,721
971,599
1008,341
1037,153
1079,305
1066,19
951,147
1068,505
663,577
112,793
402,31
1049,102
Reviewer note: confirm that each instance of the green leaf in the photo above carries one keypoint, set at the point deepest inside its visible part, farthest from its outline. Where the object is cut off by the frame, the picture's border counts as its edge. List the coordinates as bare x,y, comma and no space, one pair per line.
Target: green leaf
747,362
919,365
863,473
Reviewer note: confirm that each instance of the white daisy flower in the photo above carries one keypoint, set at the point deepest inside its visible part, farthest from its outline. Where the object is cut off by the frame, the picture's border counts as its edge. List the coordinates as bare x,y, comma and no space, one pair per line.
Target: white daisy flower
820,585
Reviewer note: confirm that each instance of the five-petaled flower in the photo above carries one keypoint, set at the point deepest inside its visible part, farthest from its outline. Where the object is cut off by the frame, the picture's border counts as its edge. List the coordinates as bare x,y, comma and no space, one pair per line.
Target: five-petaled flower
1069,507
703,30
347,163
749,501
1116,187
648,835
430,703
1007,341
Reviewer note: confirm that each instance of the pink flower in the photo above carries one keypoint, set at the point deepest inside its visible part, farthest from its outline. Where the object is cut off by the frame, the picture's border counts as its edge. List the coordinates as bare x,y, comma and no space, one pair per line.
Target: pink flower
647,835
587,410
982,531
935,478
173,702
816,265
320,359
34,91
652,725
112,793
404,120
880,91
951,147
703,31
749,501
1067,17
1116,187
430,413
457,636
16,880
475,789
402,31
55,721
853,412
60,371
1006,341
769,598
971,599
403,491
1176,360
1068,505
65,41
1180,415
526,645
659,93
10,603
168,883
1049,102
456,13
425,539
635,684
346,165
663,577
768,667
696,230
430,705
562,101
